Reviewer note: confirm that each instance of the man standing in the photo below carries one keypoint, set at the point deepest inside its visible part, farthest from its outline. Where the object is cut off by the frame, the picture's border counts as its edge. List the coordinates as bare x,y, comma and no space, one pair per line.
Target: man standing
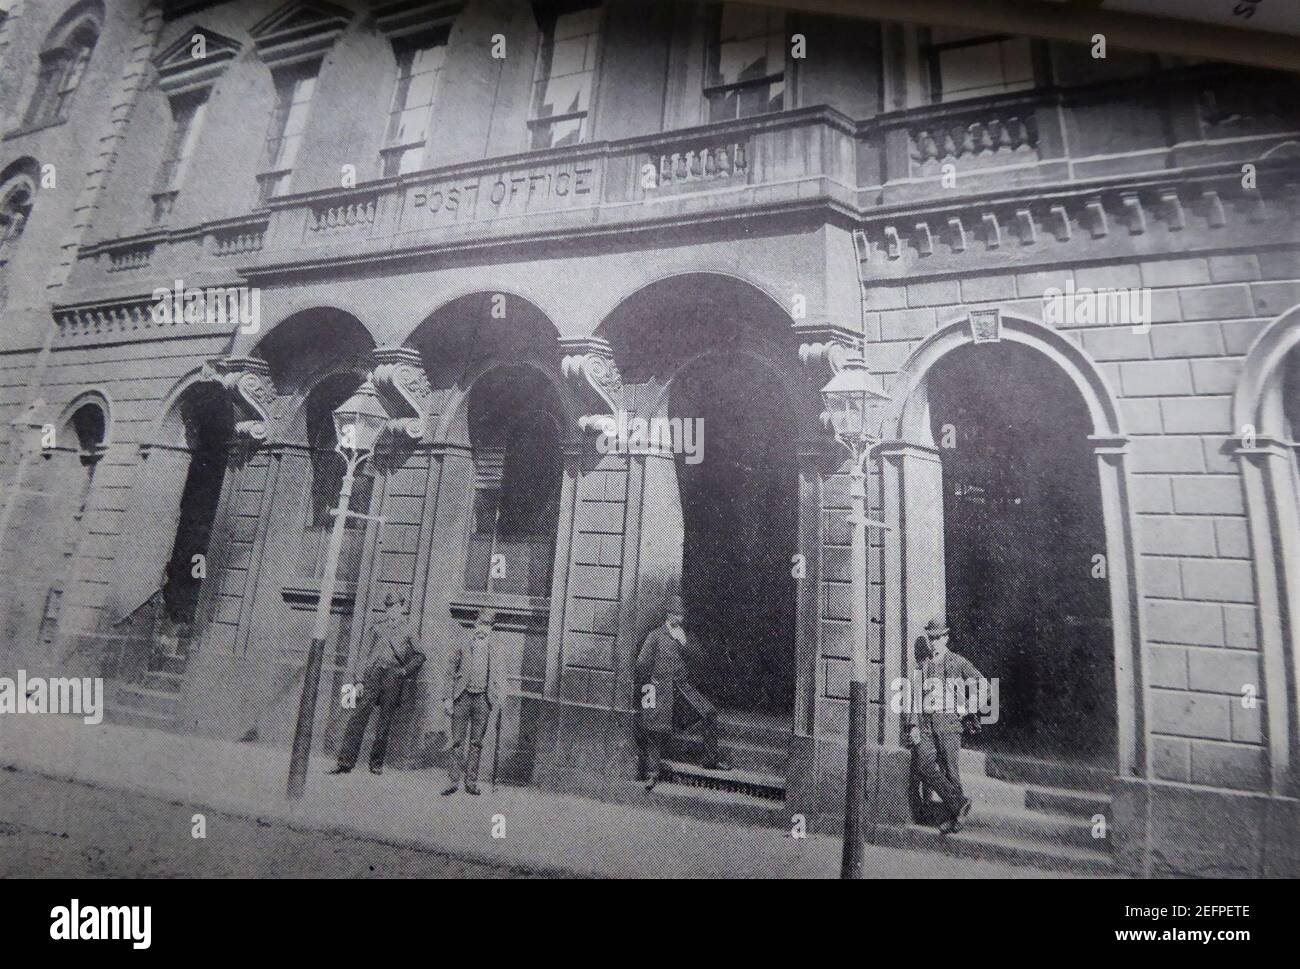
471,690
661,683
393,660
939,702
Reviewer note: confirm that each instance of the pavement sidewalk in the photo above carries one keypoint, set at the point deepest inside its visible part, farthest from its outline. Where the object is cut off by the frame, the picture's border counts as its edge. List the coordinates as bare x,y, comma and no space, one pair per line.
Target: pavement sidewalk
541,831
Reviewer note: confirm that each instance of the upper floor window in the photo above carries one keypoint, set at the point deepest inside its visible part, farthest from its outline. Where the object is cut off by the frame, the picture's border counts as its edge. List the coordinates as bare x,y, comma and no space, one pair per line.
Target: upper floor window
746,68
566,65
187,120
969,64
16,197
62,64
294,87
419,65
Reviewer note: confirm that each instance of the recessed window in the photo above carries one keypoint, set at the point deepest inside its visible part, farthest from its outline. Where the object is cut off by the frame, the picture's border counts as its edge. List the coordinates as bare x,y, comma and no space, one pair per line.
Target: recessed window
566,65
16,197
61,70
187,120
746,66
965,64
419,65
294,88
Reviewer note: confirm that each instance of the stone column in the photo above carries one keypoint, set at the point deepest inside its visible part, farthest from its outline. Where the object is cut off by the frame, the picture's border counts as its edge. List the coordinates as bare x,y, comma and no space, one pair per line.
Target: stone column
584,725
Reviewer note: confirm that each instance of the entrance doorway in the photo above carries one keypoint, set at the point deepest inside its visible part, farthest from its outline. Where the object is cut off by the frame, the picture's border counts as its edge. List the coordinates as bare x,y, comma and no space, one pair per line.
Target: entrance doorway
209,428
1027,589
739,499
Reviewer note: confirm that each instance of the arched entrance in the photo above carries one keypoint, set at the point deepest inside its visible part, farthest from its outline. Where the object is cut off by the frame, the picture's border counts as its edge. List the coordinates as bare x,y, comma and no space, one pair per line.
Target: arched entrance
1024,550
724,508
1266,415
1008,429
155,603
739,504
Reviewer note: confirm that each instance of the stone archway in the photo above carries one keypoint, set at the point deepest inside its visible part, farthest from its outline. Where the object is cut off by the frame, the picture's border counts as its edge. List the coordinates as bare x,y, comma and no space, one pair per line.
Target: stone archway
910,477
1264,419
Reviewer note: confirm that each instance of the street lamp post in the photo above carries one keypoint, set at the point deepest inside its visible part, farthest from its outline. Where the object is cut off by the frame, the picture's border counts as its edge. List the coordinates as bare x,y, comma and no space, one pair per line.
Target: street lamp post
358,422
853,407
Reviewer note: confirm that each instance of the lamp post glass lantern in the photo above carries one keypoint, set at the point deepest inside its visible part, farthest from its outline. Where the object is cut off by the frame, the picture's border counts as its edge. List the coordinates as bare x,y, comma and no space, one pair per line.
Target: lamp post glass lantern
853,410
358,423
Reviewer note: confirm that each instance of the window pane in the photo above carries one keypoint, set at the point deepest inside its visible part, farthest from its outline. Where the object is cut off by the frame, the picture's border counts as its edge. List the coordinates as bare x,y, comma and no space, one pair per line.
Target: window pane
563,95
577,23
742,60
739,20
975,70
558,133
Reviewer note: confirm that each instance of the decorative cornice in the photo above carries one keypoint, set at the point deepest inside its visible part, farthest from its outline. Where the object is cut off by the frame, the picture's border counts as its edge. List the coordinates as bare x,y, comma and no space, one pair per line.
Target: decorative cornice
910,236
298,31
179,70
248,382
588,365
400,379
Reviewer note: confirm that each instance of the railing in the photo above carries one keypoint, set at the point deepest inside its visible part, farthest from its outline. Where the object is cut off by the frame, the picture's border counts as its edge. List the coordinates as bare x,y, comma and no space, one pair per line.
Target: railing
238,242
347,213
967,137
700,163
131,257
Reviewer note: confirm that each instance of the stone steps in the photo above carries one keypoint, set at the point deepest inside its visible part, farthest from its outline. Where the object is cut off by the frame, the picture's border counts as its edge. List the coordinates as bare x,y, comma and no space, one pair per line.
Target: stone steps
1050,774
988,843
758,784
139,705
708,804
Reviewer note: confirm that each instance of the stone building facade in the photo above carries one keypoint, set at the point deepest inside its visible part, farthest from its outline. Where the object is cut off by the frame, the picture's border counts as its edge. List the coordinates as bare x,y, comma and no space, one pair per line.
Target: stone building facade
523,220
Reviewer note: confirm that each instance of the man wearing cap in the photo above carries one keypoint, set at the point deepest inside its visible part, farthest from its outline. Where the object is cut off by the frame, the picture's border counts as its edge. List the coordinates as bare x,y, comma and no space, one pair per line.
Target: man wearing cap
940,699
393,659
472,688
666,700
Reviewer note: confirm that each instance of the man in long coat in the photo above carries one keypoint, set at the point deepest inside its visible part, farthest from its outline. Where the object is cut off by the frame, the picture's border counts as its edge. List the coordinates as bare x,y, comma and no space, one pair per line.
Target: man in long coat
665,698
393,659
941,699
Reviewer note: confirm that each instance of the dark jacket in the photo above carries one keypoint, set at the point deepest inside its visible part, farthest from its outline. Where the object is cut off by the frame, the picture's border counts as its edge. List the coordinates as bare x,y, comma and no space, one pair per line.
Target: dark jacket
959,680
659,663
394,652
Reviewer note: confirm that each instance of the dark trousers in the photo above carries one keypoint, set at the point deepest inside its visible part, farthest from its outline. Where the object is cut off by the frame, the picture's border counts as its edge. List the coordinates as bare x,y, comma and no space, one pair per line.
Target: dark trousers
382,686
469,719
936,765
689,707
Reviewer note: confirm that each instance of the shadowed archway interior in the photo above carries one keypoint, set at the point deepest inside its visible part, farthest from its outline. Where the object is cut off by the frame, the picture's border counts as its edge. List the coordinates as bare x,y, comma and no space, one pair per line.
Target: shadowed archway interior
1024,539
739,507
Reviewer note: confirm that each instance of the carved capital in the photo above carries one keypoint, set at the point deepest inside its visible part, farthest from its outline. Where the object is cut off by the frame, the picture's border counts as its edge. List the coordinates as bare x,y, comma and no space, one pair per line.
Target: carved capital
588,365
248,382
823,348
400,379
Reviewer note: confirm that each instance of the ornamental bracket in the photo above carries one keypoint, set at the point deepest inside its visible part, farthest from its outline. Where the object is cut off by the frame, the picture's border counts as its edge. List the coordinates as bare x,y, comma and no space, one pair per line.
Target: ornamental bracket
400,379
588,366
248,382
823,348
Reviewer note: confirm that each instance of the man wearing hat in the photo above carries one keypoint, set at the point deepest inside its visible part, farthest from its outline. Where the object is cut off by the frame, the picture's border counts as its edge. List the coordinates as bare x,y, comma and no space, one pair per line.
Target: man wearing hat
471,690
934,729
666,700
392,661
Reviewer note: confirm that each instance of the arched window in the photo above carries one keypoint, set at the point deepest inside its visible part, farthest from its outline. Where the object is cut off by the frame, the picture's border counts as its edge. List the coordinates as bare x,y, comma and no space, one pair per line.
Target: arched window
515,434
63,62
17,193
88,427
